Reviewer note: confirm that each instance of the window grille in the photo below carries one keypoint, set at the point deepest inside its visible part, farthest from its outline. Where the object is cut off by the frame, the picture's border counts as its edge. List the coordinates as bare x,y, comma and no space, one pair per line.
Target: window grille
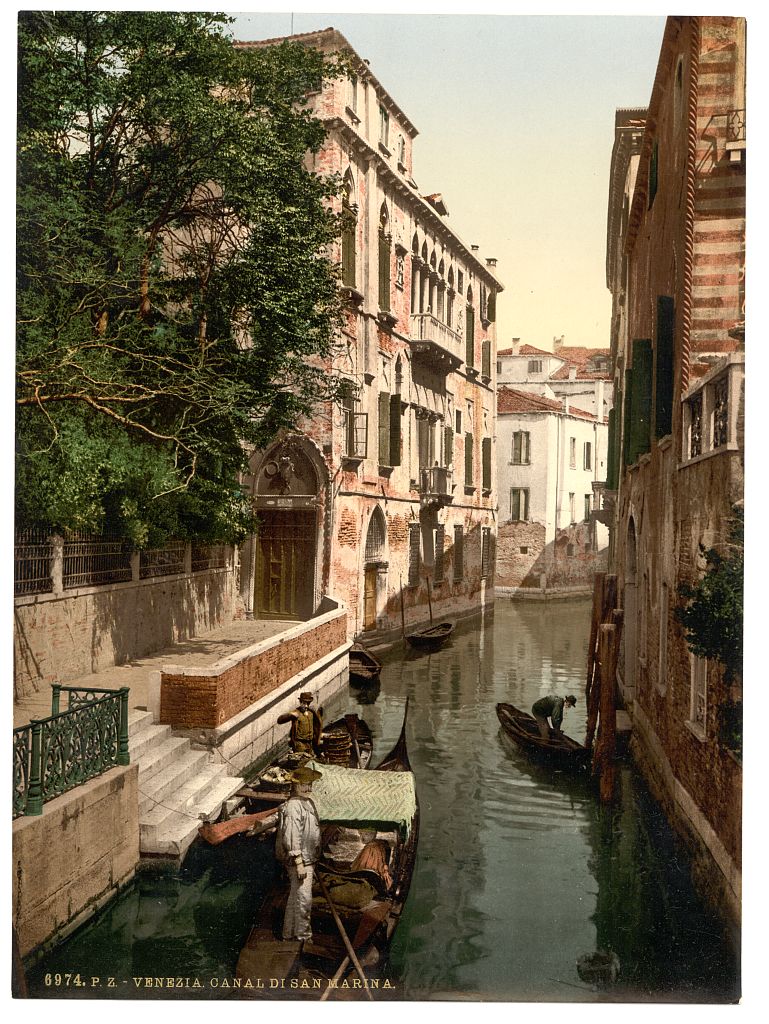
92,561
375,537
32,558
165,561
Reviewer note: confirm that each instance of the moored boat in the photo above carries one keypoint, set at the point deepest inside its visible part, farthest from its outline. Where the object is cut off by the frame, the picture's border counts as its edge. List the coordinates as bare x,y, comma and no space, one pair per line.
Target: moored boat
364,667
431,637
559,749
370,825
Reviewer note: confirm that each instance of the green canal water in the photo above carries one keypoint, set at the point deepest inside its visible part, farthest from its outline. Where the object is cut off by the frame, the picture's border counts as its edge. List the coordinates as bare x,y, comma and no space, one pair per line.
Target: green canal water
519,872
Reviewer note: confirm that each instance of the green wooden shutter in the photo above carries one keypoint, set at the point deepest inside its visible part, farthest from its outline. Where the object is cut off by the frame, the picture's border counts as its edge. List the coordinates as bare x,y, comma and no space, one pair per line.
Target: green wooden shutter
448,445
663,352
486,358
384,429
348,246
641,404
611,465
491,312
395,430
469,336
459,559
384,271
626,419
468,460
486,463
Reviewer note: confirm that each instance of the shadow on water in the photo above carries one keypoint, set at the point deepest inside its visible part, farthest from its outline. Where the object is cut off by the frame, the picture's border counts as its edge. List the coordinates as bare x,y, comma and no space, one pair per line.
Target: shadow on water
520,871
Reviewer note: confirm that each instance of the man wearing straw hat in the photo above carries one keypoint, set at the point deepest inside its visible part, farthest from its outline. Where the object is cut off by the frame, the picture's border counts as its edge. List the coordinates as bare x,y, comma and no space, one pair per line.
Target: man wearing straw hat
297,847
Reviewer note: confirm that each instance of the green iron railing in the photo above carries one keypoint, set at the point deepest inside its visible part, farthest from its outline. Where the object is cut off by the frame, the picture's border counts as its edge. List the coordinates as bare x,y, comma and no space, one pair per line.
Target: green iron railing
55,754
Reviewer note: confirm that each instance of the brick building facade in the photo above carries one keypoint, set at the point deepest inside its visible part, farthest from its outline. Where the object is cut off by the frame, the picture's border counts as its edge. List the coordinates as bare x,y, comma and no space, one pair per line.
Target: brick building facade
373,502
675,266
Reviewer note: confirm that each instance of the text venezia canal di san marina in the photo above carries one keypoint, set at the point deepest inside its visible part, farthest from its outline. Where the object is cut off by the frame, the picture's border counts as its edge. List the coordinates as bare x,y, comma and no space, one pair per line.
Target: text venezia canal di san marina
78,981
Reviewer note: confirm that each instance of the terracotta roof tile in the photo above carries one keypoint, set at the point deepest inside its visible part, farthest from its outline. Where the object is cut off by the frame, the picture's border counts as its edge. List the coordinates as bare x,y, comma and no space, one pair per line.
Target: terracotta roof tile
509,400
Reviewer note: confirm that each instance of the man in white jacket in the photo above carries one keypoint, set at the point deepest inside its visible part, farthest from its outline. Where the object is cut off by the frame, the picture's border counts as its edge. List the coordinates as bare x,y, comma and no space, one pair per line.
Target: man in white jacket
297,846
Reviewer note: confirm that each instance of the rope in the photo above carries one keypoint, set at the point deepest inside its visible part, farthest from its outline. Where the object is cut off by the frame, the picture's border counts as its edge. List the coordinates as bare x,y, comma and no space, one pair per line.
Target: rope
691,161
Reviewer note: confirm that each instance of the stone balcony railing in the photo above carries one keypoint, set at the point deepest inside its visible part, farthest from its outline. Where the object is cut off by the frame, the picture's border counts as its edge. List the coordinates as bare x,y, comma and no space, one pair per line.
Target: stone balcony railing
436,343
436,487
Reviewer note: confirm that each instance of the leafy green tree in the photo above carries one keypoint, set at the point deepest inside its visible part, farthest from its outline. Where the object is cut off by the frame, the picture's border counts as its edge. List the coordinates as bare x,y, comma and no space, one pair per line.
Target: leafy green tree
176,305
713,619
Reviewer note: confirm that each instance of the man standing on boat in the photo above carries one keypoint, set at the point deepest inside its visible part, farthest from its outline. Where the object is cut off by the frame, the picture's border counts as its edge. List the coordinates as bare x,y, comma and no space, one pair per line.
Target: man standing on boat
306,726
551,707
297,847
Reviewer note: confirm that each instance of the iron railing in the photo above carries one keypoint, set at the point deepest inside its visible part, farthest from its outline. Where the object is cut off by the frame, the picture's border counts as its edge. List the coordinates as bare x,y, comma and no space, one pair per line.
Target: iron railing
93,561
735,126
209,556
32,562
56,754
165,561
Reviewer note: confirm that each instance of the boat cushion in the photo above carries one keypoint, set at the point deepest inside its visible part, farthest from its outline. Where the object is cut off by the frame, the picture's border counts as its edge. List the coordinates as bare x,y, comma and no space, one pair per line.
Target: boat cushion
370,798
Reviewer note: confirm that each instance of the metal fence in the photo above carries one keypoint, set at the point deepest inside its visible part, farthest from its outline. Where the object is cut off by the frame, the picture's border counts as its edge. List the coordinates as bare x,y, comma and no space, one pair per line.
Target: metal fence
32,563
55,754
165,561
209,556
91,561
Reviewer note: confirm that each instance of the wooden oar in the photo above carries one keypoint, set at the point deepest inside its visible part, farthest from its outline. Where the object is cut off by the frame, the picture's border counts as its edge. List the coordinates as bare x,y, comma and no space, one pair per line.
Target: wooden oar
345,937
370,921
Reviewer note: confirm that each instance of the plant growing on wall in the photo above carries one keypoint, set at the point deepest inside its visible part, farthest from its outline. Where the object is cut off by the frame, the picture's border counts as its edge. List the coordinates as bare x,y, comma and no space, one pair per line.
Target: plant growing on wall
713,620
175,300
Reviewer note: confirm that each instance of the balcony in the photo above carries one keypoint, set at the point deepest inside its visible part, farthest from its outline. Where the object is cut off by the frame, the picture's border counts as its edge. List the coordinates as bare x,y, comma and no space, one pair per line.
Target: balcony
735,135
434,344
435,487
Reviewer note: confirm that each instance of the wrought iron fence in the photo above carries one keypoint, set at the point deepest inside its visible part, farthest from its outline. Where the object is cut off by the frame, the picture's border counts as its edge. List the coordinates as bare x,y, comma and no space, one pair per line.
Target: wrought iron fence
90,561
55,754
165,561
32,562
209,556
735,126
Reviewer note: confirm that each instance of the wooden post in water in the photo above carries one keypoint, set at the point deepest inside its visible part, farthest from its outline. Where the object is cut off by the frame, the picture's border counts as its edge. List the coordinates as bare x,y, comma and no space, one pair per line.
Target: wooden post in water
604,762
429,601
595,621
403,613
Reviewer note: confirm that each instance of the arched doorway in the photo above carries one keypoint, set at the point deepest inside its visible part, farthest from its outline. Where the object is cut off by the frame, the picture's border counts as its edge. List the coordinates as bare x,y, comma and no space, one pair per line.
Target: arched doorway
287,487
630,603
374,569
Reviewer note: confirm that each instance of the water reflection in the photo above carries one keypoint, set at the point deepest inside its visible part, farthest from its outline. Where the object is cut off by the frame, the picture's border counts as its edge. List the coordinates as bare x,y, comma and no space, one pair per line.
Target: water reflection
519,870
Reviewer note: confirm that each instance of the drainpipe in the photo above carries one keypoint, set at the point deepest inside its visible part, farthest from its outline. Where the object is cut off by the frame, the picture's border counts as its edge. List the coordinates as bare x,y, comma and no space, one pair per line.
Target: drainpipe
691,162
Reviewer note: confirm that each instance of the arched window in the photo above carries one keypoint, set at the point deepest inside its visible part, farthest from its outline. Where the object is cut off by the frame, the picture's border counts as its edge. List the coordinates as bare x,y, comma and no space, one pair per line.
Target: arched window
349,219
450,298
398,376
440,299
385,239
376,537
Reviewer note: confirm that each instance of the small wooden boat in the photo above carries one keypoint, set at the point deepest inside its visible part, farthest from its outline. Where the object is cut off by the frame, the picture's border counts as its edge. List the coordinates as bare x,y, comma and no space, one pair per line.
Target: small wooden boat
347,741
370,828
431,637
364,667
560,750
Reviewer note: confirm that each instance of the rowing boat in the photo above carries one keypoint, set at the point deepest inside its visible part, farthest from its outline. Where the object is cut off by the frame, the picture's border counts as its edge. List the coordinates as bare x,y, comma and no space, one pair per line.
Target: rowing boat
431,637
364,667
559,749
369,826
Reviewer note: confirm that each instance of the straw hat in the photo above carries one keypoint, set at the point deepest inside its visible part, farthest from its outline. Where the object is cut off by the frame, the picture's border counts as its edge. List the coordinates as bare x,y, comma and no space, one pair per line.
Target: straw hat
305,774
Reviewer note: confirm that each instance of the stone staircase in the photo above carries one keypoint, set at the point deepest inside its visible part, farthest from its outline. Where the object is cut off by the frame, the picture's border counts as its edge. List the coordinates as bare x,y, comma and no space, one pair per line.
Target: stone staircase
178,787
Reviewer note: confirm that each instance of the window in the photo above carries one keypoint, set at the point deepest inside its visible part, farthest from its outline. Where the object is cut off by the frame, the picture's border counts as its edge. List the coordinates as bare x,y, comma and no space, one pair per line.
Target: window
355,429
384,260
569,550
440,532
572,453
588,503
588,455
485,552
486,358
535,366
448,446
458,424
698,693
425,441
469,331
384,126
524,549
401,151
459,559
376,536
572,512
414,554
352,93
521,448
519,504
384,429
499,366
486,463
468,460
349,216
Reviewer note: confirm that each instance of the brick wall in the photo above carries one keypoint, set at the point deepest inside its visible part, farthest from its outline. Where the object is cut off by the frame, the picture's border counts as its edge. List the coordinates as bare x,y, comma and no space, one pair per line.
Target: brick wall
208,699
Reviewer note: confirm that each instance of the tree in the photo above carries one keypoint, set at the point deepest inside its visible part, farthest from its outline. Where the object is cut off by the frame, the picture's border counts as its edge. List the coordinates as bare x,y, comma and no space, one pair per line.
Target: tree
176,306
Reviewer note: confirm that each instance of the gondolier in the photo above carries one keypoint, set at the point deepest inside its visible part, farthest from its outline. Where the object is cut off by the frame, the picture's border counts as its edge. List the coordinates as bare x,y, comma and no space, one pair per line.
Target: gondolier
306,726
297,847
551,707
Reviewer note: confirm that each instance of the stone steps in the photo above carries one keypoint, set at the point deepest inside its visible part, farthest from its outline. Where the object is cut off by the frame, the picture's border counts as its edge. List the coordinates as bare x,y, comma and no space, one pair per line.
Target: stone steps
178,787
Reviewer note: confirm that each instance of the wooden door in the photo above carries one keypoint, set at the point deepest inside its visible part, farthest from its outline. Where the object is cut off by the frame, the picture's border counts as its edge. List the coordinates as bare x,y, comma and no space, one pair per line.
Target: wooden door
369,597
285,577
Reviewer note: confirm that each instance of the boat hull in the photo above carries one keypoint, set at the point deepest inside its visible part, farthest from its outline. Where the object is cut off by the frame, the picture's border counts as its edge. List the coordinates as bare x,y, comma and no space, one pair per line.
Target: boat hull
559,750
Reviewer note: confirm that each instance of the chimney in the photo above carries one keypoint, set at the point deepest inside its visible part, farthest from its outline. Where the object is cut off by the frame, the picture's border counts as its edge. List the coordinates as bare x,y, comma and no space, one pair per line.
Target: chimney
491,261
516,345
566,406
475,248
572,372
558,343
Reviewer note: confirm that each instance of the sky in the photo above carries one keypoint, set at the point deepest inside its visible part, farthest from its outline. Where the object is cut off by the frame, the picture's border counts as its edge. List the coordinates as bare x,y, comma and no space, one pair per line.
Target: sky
516,126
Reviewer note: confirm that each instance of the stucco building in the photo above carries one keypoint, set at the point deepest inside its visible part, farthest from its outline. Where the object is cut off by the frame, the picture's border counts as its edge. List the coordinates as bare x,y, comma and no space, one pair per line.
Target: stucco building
675,266
394,493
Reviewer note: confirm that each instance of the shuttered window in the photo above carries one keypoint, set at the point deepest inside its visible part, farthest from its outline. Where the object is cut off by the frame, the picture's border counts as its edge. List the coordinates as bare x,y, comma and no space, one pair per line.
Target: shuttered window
587,456
626,418
413,554
395,430
459,554
611,460
440,533
485,552
521,448
663,355
348,245
384,270
470,336
486,463
384,429
519,504
468,460
425,443
641,399
448,446
486,358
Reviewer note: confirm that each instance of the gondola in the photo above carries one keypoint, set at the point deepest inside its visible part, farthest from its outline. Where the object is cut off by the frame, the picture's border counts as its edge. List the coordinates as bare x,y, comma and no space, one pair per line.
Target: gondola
559,750
347,741
431,638
364,667
370,827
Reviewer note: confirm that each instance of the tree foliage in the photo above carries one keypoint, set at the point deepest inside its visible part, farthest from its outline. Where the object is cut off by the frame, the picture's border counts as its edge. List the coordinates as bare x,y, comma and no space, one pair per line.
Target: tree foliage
176,306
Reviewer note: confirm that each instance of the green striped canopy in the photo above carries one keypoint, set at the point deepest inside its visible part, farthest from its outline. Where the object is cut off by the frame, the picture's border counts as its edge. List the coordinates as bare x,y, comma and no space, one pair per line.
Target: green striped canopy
364,799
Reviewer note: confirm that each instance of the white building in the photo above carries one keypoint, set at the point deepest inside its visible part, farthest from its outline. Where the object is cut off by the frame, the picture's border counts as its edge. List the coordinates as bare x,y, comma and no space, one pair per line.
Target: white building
551,465
583,375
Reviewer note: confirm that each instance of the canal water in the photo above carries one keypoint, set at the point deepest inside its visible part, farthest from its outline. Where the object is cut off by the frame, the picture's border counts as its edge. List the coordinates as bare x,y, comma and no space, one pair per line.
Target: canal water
519,872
